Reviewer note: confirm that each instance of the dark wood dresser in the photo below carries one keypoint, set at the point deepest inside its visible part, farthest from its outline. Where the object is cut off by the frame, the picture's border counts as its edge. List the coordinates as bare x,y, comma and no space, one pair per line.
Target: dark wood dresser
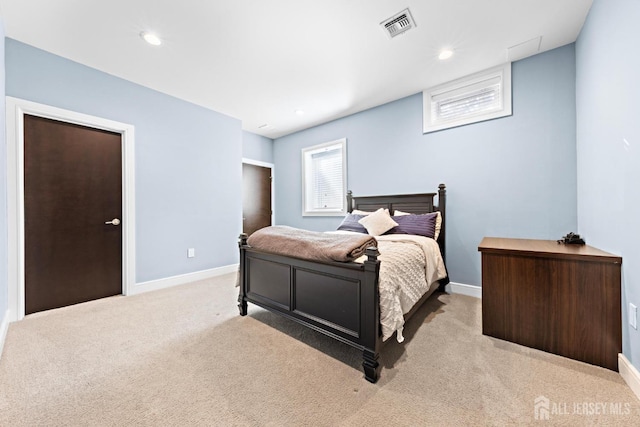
564,299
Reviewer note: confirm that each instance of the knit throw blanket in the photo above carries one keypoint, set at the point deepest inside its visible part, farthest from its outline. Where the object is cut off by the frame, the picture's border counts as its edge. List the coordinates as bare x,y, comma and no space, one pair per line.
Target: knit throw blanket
311,245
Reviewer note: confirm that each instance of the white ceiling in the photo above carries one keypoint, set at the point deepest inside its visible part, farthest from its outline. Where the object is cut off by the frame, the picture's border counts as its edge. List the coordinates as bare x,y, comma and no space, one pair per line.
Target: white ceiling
259,60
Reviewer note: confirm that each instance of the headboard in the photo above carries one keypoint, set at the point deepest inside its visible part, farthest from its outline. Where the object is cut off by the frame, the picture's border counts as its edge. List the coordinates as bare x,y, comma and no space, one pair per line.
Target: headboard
412,203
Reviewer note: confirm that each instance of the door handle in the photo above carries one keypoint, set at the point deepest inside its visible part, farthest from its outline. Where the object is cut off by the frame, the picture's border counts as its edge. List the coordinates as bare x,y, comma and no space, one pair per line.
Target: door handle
114,221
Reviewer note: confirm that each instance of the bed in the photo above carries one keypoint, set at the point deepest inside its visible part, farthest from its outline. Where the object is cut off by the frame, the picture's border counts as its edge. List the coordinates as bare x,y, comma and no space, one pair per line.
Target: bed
338,299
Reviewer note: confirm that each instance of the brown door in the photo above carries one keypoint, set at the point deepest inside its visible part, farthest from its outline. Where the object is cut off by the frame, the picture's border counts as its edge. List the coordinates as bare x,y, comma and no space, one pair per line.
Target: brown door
256,197
72,187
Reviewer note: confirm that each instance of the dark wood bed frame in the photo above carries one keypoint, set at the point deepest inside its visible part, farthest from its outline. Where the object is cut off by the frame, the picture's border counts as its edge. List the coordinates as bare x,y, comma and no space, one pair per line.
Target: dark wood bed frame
338,299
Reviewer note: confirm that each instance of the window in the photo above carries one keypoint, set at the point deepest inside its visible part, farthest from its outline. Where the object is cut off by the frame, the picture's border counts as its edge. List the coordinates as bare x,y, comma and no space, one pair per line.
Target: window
482,96
324,179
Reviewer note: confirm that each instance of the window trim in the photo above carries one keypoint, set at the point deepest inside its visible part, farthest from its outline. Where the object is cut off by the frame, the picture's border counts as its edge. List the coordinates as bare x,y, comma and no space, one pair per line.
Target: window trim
308,151
503,72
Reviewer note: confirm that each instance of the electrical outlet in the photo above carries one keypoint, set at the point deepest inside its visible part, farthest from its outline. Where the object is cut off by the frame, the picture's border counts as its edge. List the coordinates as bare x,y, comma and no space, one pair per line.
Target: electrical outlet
191,253
633,316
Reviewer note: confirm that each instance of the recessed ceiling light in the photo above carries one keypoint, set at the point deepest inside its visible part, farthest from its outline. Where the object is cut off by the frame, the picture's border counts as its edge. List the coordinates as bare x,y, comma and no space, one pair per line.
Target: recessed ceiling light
445,54
151,38
299,112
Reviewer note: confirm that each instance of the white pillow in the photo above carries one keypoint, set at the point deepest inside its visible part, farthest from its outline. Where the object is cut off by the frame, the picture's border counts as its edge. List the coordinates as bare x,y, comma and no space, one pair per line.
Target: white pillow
359,212
378,222
438,221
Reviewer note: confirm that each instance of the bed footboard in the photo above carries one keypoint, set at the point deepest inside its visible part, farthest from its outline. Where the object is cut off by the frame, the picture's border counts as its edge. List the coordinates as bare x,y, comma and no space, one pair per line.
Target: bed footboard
340,300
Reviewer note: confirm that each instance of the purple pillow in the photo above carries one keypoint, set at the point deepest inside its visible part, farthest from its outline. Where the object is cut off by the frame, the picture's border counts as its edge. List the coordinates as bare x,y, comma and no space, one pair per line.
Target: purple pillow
350,223
420,225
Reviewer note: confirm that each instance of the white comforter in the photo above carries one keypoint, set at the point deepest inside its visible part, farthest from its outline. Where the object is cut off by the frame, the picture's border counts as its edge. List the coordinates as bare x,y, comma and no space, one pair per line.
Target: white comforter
409,266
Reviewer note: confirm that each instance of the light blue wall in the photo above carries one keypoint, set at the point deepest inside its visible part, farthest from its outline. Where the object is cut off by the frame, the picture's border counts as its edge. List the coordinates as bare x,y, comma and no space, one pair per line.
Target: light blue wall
608,143
510,177
4,244
257,147
188,159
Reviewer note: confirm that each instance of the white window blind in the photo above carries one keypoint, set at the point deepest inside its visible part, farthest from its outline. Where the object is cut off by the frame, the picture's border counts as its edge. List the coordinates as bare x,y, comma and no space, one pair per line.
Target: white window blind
481,96
324,179
327,179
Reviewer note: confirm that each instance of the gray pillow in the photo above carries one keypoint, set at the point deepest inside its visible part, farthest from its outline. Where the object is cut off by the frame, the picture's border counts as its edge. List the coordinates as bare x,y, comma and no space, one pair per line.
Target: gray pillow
350,223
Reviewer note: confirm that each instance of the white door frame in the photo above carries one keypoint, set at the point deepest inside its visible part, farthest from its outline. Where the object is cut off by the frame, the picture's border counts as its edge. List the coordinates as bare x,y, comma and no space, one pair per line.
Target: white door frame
273,184
16,109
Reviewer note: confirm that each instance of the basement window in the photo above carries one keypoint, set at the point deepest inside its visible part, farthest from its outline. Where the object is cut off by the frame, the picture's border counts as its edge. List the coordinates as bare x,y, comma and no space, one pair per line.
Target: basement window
324,179
482,96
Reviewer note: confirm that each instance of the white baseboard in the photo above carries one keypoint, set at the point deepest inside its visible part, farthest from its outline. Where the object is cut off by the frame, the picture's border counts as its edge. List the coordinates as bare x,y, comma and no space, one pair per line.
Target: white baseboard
4,327
461,288
629,374
167,282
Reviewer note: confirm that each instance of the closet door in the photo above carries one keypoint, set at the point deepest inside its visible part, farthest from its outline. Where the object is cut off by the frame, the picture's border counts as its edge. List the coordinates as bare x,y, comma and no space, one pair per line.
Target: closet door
256,197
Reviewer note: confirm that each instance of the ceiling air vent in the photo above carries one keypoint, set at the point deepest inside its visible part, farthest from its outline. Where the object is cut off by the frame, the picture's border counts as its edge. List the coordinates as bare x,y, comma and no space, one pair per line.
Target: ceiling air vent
399,23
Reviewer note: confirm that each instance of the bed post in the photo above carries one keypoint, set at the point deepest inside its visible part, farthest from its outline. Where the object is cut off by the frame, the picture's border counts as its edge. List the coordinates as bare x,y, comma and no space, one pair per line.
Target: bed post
349,201
242,301
371,316
442,207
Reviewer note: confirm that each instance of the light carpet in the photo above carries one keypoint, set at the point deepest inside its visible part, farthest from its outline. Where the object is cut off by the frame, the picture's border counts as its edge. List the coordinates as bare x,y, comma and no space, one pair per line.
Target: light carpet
183,356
